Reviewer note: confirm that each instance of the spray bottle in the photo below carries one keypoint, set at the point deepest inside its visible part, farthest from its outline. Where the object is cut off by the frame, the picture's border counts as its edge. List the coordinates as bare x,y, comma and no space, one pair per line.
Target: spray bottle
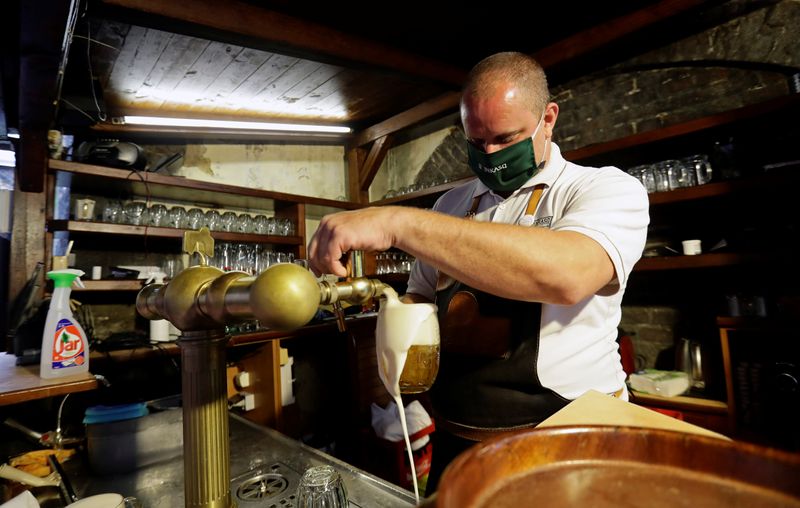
65,348
159,328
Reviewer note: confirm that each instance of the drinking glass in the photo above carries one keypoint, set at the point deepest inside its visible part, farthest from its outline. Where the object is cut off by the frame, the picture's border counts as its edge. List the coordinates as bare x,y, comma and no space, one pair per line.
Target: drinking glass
244,223
176,217
195,218
687,176
645,174
671,169
157,215
112,212
272,226
321,487
213,220
261,224
283,226
701,167
661,177
135,213
228,221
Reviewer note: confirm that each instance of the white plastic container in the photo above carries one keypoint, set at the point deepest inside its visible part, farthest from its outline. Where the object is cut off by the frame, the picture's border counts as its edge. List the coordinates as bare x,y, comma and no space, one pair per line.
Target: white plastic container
65,348
159,328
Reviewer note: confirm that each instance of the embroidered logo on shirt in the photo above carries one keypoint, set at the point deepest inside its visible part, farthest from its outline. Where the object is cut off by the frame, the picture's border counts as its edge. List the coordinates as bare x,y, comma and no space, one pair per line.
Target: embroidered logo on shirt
530,220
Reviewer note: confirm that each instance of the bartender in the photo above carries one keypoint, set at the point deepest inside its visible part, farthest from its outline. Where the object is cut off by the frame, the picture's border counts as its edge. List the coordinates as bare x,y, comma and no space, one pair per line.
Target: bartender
527,264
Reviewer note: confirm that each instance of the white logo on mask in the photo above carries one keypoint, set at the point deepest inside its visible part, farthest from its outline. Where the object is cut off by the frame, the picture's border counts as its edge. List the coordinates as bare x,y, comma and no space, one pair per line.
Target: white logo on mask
495,169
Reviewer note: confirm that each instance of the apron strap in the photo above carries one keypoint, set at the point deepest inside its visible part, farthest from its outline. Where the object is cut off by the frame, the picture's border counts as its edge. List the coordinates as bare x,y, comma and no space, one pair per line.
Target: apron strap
533,201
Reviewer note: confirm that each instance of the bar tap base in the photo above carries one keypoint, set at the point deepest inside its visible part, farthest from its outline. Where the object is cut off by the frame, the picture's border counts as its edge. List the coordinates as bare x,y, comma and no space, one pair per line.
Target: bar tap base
206,448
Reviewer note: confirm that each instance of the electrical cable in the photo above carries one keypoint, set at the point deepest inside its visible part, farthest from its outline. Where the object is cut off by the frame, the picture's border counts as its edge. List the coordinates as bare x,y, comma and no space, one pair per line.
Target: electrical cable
100,114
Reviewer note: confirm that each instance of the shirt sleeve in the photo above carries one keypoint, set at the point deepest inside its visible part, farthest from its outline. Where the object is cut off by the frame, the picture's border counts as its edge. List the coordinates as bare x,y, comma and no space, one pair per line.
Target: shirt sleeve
422,280
612,208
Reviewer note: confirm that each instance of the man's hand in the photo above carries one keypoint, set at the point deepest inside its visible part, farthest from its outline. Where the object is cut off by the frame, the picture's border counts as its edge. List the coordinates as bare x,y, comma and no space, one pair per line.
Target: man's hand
368,229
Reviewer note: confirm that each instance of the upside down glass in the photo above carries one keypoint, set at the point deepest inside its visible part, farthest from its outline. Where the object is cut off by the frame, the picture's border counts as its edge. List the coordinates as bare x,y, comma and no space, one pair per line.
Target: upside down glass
321,487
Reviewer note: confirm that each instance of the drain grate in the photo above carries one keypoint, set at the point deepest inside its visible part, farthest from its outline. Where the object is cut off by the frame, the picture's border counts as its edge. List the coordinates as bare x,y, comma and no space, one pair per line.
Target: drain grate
266,486
262,486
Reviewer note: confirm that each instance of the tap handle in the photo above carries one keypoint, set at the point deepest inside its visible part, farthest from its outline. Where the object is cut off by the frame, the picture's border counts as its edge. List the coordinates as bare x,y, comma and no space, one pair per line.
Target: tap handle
339,313
355,264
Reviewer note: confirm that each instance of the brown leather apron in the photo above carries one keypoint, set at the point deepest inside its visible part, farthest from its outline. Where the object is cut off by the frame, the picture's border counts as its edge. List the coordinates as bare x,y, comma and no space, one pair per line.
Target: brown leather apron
487,379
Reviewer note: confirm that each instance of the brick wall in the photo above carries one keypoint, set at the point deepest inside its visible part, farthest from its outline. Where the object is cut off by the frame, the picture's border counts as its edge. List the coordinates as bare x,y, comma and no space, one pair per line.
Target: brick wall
741,62
652,330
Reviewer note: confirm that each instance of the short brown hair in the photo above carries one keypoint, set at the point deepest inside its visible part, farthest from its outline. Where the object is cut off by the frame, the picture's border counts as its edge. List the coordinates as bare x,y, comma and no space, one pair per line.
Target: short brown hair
510,67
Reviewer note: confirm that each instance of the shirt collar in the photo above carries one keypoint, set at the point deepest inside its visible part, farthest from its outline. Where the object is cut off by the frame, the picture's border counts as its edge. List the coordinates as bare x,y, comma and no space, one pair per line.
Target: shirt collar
547,175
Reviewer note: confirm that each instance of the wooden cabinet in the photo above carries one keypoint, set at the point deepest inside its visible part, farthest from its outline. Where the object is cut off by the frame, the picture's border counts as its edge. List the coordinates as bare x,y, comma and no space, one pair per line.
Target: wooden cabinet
762,379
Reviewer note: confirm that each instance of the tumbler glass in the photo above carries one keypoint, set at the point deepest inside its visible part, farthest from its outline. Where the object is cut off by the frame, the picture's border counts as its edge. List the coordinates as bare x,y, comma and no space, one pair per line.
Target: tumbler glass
228,221
213,220
135,213
261,224
112,212
701,167
195,218
244,223
321,487
157,215
176,217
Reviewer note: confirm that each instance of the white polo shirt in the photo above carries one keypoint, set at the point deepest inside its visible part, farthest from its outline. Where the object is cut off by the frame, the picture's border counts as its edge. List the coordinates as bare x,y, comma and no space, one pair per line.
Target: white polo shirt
577,344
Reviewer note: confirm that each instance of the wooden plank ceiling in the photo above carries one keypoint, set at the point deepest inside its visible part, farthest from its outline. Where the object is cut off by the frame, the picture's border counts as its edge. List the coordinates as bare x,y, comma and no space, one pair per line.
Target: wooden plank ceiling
379,71
345,62
161,73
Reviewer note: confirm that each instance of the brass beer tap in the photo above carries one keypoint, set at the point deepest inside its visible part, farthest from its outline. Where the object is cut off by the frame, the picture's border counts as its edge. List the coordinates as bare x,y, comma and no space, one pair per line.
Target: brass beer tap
200,301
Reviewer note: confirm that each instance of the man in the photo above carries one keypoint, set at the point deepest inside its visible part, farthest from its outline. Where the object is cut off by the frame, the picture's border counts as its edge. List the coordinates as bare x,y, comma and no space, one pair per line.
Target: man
527,264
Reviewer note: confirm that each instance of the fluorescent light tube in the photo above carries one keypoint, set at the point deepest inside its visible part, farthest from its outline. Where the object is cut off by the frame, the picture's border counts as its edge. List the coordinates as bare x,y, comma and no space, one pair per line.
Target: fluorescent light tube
229,124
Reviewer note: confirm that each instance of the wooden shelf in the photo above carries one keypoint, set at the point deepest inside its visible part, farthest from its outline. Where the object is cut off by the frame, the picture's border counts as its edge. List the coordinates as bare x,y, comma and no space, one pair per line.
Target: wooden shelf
756,323
110,285
151,231
422,194
779,104
681,402
773,179
20,384
699,261
390,277
179,188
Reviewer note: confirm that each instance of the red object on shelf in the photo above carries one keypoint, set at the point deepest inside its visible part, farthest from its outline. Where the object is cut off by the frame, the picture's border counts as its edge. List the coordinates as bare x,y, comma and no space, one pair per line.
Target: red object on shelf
669,412
627,354
391,459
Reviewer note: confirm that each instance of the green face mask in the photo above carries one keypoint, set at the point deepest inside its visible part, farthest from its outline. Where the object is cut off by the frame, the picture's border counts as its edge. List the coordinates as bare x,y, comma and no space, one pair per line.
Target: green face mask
507,169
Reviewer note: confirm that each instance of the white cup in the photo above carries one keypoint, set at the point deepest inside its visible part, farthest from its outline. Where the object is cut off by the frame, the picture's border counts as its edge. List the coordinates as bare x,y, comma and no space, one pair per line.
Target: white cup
691,247
97,272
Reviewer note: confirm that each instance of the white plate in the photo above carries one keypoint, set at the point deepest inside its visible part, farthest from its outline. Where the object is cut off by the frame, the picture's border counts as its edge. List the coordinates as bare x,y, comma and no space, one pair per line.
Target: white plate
98,501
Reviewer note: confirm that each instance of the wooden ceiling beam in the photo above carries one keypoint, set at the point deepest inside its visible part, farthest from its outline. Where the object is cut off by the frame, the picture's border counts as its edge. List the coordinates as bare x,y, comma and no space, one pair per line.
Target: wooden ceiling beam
280,31
373,162
602,35
560,52
428,109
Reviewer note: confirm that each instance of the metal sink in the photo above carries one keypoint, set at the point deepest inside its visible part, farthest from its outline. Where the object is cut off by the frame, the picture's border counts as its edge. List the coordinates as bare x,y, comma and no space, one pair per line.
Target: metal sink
266,467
